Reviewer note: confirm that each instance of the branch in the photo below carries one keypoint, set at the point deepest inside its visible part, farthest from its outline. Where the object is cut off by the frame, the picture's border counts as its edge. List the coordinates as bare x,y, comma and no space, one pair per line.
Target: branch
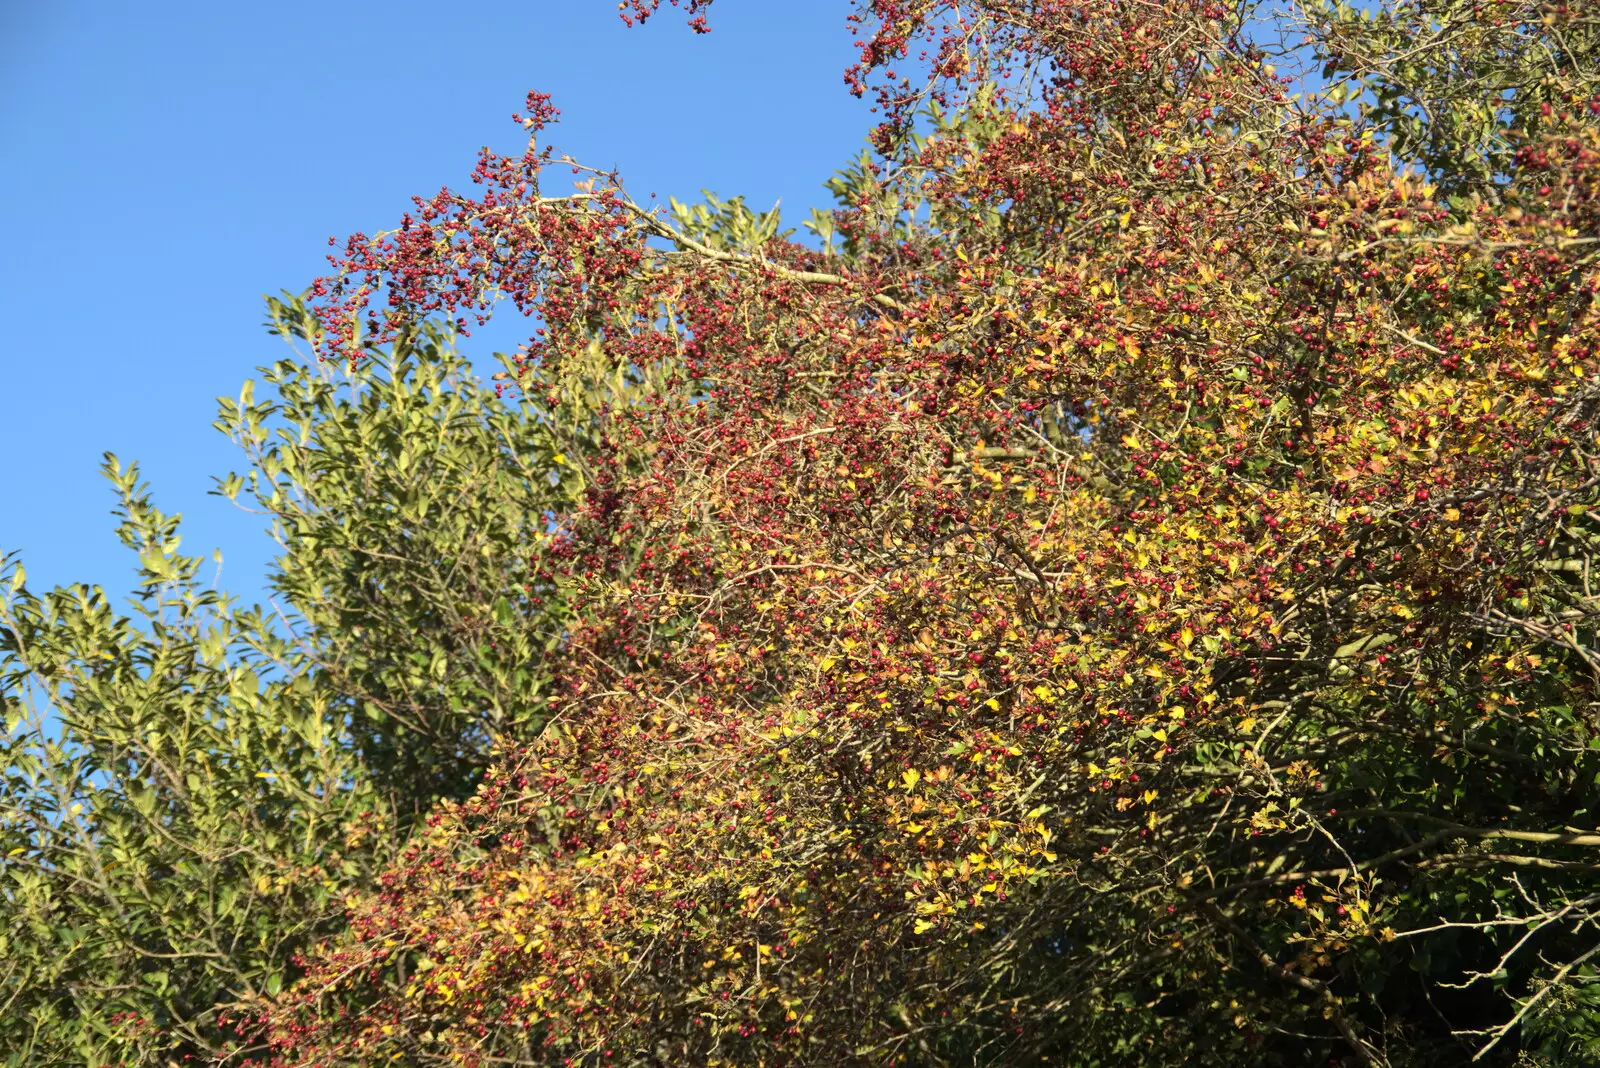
661,229
1362,1048
1572,838
1527,1006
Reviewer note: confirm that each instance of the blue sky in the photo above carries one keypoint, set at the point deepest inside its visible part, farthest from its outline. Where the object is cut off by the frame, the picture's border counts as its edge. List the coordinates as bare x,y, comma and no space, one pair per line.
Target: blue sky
167,164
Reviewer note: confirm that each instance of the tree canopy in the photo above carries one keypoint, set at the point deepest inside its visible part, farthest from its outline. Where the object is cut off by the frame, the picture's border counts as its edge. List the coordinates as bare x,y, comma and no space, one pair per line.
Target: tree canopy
1118,590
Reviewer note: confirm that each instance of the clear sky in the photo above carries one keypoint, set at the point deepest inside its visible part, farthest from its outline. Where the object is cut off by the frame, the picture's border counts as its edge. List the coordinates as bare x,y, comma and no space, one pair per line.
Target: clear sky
165,164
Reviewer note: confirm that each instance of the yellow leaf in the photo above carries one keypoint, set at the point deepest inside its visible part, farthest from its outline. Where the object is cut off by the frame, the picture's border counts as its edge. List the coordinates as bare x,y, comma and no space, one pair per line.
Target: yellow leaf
911,779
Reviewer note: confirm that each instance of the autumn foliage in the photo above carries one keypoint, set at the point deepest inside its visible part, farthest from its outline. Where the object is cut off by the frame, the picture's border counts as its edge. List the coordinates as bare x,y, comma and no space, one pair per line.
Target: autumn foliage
1121,594
1127,601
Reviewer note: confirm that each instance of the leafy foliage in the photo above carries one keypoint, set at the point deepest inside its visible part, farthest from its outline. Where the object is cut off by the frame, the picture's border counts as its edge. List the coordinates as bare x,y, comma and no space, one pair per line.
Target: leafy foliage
178,812
1128,602
411,504
1458,87
192,788
1126,597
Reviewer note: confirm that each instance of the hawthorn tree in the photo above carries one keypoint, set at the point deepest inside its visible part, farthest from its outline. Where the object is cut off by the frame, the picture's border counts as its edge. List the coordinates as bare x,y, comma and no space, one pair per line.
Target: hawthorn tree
1122,595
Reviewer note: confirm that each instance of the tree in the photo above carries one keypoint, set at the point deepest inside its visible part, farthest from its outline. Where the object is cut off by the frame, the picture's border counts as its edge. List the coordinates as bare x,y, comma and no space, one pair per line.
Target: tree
192,788
176,808
1129,602
1121,594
